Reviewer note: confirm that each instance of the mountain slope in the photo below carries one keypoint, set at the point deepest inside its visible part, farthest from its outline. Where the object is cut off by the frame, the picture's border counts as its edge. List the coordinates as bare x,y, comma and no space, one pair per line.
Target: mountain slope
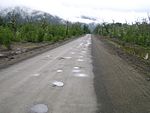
26,14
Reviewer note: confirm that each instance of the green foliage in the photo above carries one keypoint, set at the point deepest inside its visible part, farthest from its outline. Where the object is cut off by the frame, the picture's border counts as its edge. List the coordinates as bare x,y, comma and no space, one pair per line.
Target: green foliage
86,29
1,21
6,37
138,33
36,32
40,35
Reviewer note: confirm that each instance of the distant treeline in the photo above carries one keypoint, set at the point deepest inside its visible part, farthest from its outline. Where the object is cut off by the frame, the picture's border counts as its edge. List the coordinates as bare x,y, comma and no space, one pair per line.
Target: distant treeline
37,31
138,33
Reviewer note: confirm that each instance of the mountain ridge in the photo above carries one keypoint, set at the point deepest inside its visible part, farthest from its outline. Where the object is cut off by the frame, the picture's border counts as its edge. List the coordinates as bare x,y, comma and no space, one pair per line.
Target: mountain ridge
24,14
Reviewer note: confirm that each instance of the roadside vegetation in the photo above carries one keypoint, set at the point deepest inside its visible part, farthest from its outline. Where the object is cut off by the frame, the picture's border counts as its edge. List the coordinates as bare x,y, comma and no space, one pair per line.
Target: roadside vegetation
133,38
11,30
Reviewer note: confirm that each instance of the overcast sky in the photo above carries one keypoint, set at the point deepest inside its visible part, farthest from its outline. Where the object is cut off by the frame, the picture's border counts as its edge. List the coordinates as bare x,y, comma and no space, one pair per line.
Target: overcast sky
102,10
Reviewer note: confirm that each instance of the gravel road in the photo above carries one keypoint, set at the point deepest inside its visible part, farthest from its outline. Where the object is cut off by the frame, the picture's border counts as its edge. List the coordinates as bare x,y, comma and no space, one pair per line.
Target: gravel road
82,76
57,81
119,87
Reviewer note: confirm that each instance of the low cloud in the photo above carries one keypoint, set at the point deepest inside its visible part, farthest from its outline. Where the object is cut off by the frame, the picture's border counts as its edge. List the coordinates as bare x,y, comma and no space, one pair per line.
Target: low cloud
88,18
101,10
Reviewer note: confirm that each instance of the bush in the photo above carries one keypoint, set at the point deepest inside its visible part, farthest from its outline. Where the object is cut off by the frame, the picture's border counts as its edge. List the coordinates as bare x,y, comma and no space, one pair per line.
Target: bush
55,39
48,37
41,34
33,32
6,37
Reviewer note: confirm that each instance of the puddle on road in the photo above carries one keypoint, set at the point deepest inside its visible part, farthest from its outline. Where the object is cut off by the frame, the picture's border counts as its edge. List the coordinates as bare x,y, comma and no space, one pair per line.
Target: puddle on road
39,108
47,56
80,60
81,44
83,51
80,56
72,53
80,75
58,84
76,71
63,58
36,74
88,44
2,55
76,67
59,70
148,79
67,57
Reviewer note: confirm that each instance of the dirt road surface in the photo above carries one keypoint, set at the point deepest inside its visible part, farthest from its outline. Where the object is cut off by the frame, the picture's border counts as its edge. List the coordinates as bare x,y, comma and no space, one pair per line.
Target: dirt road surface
31,86
119,87
81,76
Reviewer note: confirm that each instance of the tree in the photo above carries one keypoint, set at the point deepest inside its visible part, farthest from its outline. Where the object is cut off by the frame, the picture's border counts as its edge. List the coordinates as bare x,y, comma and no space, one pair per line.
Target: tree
1,21
86,29
13,23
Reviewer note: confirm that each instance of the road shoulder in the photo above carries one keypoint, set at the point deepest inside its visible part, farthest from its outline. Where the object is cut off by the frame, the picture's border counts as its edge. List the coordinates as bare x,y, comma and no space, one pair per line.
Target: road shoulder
118,86
13,59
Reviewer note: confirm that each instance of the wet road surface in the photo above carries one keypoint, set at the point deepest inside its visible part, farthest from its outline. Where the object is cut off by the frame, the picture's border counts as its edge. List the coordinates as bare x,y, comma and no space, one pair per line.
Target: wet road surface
81,76
57,81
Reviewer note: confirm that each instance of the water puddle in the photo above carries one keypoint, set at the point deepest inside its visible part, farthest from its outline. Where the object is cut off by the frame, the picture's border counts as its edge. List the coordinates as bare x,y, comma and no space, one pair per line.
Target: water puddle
81,44
88,44
67,57
63,58
83,51
36,74
59,70
39,108
80,75
76,67
76,71
148,79
80,60
72,53
2,55
80,56
58,84
47,56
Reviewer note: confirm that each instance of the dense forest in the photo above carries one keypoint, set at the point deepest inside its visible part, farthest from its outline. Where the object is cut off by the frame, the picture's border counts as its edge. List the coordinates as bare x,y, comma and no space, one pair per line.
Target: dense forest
13,30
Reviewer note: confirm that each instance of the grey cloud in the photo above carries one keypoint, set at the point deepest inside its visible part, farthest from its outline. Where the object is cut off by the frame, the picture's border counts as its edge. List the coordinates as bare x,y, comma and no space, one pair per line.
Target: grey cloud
88,18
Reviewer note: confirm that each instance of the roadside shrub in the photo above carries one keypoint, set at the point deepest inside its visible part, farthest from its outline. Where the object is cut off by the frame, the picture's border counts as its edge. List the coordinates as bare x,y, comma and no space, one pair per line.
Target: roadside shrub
48,37
55,39
6,37
138,33
41,34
